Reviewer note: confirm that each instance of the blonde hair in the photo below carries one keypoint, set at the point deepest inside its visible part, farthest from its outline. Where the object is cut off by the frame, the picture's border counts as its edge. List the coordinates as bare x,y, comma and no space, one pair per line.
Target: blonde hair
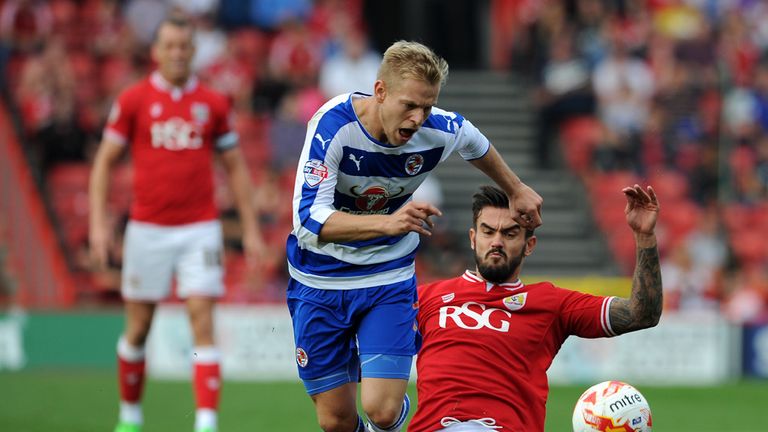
405,59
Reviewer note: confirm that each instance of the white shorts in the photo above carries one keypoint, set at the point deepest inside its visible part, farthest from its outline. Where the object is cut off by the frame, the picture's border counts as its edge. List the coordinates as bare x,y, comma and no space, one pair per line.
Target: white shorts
152,254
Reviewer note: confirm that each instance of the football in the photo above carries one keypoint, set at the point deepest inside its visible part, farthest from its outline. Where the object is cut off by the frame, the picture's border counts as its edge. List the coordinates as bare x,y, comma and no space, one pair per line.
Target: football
612,406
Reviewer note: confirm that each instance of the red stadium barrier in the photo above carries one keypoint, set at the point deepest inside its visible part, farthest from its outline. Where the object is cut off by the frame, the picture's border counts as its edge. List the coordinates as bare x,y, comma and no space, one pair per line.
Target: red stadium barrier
44,281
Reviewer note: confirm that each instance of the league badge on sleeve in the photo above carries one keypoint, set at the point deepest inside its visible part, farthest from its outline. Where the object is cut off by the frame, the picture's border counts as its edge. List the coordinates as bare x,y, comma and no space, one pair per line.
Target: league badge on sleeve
314,172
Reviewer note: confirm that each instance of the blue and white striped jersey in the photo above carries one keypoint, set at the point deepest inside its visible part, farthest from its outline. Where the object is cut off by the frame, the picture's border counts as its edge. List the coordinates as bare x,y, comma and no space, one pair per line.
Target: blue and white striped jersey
343,168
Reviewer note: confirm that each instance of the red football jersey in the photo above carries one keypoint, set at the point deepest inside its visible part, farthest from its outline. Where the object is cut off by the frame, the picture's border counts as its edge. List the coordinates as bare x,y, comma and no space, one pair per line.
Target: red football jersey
172,133
487,348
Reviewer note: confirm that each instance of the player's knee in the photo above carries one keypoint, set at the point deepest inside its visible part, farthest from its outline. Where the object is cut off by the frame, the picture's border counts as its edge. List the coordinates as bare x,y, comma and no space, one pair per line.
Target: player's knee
336,422
137,331
383,413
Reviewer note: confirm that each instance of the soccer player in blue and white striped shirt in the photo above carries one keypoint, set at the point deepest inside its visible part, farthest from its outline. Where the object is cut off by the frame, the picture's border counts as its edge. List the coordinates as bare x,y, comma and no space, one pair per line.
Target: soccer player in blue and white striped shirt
352,292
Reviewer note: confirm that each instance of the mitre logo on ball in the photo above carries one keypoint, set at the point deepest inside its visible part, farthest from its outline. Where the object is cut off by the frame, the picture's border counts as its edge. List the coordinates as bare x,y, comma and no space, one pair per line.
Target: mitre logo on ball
612,406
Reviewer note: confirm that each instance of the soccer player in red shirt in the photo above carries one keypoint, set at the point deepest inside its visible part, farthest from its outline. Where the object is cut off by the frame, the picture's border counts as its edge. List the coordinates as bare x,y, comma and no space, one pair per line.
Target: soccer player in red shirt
488,339
172,126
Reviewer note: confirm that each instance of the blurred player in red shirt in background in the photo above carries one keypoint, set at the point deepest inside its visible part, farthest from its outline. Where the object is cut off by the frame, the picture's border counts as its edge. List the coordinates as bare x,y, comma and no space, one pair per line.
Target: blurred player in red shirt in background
173,126
488,339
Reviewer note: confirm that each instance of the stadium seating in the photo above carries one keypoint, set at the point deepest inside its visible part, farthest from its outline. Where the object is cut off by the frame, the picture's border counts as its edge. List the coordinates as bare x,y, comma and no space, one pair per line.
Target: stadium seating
579,137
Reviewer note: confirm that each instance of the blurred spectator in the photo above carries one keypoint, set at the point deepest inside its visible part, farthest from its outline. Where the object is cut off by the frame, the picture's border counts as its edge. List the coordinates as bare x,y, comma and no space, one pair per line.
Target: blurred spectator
682,285
143,18
196,8
624,86
748,299
437,257
676,19
296,54
704,176
294,60
233,74
591,25
287,132
210,42
354,68
272,14
565,91
235,14
49,109
25,24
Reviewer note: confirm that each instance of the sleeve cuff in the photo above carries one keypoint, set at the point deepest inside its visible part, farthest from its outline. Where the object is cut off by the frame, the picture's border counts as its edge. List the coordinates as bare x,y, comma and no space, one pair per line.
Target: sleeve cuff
227,141
115,136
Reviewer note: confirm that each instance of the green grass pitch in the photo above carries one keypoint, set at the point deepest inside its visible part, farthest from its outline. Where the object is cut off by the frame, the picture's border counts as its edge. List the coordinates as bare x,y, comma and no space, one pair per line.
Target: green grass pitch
82,401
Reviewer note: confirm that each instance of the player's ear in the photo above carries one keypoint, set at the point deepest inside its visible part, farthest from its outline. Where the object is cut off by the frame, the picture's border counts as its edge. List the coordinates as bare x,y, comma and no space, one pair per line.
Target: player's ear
530,245
379,91
472,238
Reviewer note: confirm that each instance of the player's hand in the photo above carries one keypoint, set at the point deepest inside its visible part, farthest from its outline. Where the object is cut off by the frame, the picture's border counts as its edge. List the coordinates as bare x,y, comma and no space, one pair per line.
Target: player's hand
100,239
526,206
413,216
642,209
255,248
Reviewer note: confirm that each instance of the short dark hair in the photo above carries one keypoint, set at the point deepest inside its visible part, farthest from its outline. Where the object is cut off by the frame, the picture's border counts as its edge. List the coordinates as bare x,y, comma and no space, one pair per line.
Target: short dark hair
490,196
176,20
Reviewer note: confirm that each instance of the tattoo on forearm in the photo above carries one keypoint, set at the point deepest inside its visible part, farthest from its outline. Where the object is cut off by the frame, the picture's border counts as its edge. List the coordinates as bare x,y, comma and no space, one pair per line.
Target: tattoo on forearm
643,308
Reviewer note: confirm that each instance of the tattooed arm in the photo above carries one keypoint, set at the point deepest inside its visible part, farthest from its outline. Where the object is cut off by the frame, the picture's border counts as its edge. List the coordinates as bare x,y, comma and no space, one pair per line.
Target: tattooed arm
643,308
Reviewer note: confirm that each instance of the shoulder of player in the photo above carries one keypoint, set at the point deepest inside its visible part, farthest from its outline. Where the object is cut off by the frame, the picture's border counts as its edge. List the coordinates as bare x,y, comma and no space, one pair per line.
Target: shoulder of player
546,288
135,92
332,117
213,96
555,294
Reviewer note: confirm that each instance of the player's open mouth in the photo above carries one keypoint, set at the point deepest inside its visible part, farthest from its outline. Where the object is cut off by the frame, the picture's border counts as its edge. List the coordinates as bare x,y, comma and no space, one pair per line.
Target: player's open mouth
406,133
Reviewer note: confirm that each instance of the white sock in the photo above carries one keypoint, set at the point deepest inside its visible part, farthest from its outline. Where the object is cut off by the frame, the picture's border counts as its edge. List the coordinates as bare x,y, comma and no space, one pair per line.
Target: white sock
131,413
129,352
205,418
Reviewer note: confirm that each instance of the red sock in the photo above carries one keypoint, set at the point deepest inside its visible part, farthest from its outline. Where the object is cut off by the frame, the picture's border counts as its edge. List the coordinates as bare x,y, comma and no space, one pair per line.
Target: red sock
207,379
130,371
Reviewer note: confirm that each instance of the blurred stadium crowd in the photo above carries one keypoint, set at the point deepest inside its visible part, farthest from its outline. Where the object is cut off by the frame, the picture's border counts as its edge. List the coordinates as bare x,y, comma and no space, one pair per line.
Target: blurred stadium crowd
673,93
669,92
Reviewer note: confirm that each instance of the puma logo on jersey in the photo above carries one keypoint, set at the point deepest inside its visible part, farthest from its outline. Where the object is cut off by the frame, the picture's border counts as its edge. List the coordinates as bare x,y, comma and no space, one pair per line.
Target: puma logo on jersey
474,316
323,142
357,161
452,124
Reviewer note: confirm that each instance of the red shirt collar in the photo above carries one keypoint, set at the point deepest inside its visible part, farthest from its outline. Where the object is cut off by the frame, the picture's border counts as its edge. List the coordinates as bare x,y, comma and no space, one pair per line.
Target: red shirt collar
161,84
475,278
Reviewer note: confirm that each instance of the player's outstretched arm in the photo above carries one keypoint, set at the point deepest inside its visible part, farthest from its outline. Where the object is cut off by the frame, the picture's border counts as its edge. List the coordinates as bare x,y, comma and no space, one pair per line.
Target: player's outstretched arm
524,202
99,232
413,216
643,308
242,190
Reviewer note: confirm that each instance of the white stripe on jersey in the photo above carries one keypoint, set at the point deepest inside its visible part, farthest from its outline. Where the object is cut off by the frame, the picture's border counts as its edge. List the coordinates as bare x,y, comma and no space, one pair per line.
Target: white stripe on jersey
353,282
605,317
